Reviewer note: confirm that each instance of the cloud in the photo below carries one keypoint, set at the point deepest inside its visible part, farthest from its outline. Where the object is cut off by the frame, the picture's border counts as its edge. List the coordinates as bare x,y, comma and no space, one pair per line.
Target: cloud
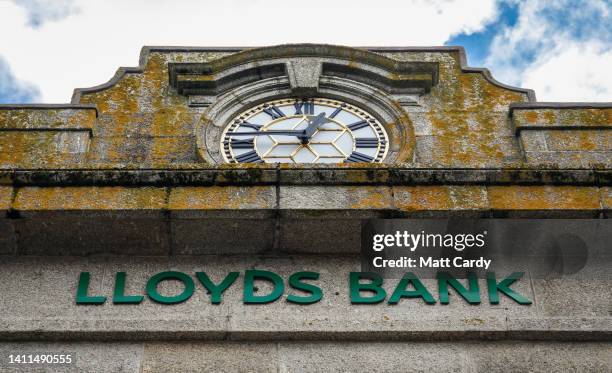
559,48
85,49
40,11
14,91
577,72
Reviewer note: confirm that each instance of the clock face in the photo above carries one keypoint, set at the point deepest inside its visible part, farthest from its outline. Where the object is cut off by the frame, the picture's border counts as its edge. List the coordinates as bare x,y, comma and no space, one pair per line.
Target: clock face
304,131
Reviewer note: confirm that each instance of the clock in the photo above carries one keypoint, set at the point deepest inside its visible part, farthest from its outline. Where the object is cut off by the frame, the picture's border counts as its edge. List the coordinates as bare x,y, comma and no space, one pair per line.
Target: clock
294,130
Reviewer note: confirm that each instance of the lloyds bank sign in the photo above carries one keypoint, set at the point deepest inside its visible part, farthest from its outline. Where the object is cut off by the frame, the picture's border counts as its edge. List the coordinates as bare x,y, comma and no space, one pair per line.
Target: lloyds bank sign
364,288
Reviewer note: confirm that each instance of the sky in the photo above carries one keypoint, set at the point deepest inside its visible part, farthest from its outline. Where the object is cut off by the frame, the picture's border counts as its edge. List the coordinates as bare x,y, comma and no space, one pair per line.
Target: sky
560,48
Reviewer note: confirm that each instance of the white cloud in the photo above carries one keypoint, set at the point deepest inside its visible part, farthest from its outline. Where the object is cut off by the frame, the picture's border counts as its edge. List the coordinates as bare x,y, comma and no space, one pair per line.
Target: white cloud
85,48
577,72
560,48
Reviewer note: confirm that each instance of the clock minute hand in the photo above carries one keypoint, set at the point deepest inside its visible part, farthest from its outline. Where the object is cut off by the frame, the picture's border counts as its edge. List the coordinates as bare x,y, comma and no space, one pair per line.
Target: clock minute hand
270,132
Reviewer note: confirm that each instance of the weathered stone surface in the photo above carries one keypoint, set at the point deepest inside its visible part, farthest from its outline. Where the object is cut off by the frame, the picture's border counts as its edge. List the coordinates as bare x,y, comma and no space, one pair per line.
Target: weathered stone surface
444,357
534,198
534,141
521,356
197,201
89,198
440,198
313,235
304,75
144,151
6,198
370,357
335,198
582,141
606,198
71,234
210,357
562,117
7,237
51,118
46,149
222,236
570,159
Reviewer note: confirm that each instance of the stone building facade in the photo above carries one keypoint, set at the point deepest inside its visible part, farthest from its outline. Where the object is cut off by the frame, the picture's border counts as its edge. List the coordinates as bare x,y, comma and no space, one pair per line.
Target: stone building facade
139,175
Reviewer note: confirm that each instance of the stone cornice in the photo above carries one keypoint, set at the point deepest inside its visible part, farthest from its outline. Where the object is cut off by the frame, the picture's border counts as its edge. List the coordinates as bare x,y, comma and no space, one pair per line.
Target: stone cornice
273,175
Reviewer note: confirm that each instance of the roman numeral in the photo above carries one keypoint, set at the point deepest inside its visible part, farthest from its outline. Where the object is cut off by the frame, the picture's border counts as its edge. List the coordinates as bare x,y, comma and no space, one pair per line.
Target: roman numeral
274,112
366,142
256,127
358,157
308,107
336,112
250,157
358,125
304,107
242,144
298,107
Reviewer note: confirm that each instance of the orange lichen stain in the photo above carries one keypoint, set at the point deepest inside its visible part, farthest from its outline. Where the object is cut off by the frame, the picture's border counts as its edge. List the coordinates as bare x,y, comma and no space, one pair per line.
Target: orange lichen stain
90,198
142,105
418,198
33,149
530,116
222,198
6,196
543,198
369,197
606,197
466,124
601,117
468,197
565,117
549,117
176,121
51,118
581,140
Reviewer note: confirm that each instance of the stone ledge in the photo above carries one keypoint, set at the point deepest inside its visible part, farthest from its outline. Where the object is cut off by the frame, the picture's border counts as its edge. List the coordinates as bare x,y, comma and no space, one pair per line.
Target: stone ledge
431,329
30,201
557,116
195,175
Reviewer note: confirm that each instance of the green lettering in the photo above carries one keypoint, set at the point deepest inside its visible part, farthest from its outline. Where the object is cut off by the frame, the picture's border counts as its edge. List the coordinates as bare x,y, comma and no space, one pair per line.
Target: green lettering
170,275
119,296
82,287
472,295
504,287
216,291
315,291
419,290
249,286
375,286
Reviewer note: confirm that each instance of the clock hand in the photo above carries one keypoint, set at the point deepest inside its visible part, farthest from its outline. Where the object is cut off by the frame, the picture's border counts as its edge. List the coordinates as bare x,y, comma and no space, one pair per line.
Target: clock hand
269,132
312,127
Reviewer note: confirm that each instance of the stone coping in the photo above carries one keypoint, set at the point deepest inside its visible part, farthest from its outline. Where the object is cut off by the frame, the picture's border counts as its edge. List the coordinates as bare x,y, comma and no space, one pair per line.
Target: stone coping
303,175
430,329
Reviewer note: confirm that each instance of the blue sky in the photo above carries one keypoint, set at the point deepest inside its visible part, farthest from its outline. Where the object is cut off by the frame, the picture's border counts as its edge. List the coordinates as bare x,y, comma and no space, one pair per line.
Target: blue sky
560,48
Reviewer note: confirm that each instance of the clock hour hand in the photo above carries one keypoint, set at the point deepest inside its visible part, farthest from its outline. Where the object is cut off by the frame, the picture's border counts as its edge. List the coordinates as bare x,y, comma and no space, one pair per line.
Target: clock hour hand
312,127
